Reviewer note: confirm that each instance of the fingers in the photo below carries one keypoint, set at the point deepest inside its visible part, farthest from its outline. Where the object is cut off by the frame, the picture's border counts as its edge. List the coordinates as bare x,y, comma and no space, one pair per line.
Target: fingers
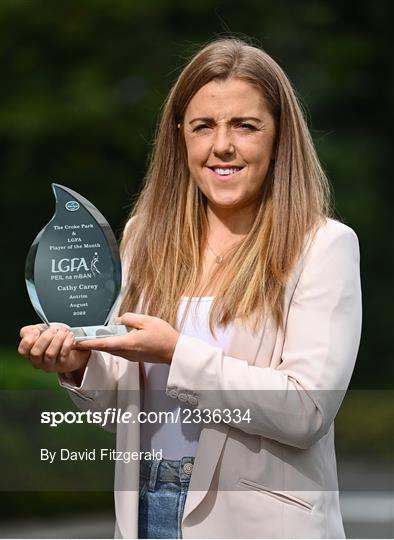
29,337
39,348
47,350
134,320
103,344
50,355
32,329
66,348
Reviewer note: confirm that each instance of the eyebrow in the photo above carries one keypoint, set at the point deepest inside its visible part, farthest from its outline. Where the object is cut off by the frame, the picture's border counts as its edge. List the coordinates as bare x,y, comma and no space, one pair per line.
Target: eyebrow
234,120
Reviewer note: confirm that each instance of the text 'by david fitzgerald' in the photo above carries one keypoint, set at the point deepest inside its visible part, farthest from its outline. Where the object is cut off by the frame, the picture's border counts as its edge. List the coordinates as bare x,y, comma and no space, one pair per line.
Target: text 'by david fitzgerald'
97,454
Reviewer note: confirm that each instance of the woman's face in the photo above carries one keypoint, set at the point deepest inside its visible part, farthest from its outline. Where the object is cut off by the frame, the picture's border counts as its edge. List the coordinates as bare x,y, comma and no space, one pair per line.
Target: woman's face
230,138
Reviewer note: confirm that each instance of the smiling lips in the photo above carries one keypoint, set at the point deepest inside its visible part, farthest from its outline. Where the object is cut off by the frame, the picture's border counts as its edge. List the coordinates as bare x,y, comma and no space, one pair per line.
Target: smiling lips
225,172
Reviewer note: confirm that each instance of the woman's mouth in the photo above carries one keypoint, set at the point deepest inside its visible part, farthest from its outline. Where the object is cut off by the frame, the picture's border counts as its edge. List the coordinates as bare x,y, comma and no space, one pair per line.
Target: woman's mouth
225,173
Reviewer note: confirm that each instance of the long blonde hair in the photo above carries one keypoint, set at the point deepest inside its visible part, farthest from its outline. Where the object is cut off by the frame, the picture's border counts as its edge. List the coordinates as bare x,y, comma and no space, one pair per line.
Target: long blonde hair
164,244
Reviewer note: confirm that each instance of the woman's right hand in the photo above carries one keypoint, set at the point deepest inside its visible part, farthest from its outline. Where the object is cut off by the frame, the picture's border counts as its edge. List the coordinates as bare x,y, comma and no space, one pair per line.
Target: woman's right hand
51,349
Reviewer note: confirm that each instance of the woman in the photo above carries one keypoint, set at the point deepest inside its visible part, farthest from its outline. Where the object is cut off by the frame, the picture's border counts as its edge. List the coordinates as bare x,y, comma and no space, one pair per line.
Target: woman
243,295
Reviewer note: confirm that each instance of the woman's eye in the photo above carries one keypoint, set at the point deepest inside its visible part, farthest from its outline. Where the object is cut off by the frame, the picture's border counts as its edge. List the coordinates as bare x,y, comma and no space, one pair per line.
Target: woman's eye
248,127
200,127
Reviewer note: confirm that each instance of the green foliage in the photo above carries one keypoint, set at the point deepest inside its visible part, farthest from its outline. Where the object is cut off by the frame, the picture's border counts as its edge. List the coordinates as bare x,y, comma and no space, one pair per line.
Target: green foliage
83,83
16,373
364,426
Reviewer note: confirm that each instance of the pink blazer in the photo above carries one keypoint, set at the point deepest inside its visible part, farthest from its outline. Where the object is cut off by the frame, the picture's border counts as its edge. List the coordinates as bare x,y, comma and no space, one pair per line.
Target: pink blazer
275,476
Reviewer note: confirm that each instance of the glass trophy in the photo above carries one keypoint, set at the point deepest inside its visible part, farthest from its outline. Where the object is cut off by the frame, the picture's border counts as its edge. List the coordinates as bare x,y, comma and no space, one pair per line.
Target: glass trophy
73,271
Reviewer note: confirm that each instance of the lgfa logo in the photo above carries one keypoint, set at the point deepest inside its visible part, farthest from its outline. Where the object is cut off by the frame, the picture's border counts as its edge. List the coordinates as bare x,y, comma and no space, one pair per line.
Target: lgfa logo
69,265
75,264
72,206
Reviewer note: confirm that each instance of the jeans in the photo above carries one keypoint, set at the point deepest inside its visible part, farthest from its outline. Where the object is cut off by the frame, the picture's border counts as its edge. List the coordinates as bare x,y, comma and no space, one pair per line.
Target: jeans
162,495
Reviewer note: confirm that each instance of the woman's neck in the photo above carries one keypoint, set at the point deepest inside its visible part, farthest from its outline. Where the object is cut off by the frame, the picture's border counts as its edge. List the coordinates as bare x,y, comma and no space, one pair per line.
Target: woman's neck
229,224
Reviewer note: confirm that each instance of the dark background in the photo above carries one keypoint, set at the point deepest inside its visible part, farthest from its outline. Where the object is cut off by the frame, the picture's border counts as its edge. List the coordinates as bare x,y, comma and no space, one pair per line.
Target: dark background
82,84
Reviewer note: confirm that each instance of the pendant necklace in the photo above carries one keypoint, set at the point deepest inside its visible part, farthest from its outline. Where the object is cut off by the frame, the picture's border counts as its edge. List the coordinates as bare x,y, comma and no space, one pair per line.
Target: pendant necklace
218,258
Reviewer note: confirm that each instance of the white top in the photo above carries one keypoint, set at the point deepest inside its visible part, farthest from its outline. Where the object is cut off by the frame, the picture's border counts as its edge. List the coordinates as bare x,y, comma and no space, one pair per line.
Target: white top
177,439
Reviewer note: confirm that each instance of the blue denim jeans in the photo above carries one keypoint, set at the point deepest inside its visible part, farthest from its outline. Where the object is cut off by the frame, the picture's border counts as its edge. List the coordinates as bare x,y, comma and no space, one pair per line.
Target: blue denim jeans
163,489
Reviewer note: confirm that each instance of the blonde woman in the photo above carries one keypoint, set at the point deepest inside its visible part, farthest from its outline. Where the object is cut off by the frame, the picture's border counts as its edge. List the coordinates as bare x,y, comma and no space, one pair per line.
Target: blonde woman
243,297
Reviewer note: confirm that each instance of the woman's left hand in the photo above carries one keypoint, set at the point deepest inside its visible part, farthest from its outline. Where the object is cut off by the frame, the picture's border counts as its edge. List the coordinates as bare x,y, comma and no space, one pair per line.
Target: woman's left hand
151,339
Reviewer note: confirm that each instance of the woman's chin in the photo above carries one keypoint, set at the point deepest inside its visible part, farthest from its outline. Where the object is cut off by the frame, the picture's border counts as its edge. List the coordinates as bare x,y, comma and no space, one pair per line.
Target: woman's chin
224,205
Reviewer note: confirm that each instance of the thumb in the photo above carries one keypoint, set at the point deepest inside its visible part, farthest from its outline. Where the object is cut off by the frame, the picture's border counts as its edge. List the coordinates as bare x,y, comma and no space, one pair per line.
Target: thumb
133,320
33,330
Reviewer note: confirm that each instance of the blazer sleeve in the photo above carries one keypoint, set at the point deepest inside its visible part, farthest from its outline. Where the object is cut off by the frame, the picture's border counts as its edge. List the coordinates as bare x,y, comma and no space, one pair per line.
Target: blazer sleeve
98,388
296,402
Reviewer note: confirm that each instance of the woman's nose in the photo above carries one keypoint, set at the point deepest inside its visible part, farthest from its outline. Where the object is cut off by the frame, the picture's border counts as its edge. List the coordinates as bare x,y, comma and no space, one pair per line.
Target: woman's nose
223,143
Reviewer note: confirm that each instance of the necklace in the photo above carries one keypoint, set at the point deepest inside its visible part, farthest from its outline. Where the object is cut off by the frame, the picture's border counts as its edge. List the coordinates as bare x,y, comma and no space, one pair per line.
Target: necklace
218,258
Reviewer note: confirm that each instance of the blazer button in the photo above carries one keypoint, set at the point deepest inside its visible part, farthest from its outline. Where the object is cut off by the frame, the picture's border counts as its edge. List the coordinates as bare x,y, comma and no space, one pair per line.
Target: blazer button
192,400
182,397
188,468
172,393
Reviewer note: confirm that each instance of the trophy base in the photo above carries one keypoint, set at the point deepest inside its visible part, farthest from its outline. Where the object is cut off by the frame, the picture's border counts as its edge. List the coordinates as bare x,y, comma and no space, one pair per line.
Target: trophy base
97,332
